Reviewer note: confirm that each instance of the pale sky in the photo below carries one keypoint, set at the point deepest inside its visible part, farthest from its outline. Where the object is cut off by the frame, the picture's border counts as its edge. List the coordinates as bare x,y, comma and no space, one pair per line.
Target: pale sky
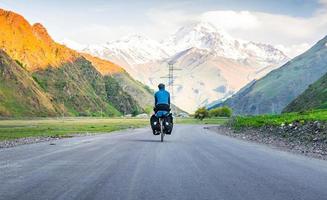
291,25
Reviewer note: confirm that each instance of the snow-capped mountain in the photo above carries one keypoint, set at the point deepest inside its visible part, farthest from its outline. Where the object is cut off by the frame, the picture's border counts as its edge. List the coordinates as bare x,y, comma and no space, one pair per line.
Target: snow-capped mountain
214,64
204,35
133,49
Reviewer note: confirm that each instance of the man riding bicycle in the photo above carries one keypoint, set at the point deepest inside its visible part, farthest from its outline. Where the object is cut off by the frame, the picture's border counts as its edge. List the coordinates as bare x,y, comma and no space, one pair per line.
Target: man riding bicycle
161,109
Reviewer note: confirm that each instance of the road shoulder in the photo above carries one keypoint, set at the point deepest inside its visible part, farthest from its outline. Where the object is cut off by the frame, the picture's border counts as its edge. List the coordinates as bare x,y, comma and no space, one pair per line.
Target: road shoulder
274,141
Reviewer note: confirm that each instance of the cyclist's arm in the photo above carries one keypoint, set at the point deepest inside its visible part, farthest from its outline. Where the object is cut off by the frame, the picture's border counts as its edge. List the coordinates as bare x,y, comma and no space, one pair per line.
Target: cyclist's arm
155,100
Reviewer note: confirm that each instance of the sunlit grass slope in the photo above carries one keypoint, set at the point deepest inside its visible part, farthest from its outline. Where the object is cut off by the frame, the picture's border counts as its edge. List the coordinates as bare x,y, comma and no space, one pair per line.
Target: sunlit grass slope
13,129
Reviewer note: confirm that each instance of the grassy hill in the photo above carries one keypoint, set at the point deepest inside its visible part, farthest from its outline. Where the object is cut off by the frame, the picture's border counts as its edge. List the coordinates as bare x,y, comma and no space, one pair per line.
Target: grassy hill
77,87
142,95
19,92
314,97
272,93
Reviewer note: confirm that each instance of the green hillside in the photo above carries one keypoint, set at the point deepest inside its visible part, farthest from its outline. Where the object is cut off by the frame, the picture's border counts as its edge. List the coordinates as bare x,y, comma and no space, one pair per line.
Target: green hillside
19,92
140,93
121,99
272,93
73,89
77,87
40,77
314,97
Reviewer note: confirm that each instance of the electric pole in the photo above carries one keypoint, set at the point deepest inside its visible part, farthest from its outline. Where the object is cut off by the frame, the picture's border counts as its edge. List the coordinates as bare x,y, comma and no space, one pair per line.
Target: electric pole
171,79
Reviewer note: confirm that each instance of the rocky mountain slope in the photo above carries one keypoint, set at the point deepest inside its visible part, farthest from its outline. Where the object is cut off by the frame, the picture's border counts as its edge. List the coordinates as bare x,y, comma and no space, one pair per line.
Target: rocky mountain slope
49,79
19,91
31,44
272,93
120,78
199,50
314,97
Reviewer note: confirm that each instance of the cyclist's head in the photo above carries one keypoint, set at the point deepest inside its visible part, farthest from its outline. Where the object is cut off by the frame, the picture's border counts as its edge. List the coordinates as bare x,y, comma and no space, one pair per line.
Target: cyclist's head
161,86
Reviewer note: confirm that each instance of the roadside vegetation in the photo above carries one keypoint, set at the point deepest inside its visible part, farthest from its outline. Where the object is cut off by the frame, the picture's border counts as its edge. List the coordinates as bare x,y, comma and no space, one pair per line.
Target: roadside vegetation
278,120
213,120
203,113
66,127
14,129
299,132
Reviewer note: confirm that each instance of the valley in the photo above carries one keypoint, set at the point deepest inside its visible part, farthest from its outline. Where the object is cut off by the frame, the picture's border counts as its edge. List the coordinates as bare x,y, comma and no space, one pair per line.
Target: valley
198,50
247,115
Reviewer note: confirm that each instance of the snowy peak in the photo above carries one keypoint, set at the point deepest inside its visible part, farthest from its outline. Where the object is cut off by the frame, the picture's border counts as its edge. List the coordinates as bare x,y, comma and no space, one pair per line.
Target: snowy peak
204,35
214,64
133,49
201,35
132,39
265,52
199,28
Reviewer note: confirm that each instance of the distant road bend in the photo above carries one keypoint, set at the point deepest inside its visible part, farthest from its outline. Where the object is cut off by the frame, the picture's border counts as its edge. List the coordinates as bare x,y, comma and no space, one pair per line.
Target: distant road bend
193,163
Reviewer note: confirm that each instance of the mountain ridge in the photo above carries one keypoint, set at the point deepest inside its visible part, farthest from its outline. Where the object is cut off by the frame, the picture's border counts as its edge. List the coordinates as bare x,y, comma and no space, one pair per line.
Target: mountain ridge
200,48
72,83
273,92
314,97
31,44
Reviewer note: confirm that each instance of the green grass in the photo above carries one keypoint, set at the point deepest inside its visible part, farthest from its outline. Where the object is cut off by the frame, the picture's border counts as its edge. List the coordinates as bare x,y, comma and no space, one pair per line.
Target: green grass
218,120
277,120
13,129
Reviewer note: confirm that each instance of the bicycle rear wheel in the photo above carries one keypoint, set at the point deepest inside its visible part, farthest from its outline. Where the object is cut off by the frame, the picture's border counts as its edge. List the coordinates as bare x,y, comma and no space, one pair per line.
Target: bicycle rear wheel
162,134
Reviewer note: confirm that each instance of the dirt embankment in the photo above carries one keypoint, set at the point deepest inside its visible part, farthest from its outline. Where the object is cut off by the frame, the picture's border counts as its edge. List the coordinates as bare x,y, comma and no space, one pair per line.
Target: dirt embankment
309,138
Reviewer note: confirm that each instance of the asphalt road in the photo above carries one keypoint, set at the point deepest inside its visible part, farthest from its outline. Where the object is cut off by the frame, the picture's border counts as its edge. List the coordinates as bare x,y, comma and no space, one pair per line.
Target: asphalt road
193,163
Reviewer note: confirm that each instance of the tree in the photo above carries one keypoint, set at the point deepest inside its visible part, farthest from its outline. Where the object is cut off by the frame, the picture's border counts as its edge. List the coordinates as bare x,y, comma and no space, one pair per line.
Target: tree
135,112
201,113
221,112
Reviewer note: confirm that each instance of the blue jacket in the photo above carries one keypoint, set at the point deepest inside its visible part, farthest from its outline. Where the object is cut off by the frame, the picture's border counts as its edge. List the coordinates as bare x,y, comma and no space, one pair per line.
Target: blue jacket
162,97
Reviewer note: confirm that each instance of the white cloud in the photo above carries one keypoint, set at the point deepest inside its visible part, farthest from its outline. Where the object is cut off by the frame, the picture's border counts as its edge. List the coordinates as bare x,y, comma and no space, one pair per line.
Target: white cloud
165,22
323,2
72,44
98,33
231,20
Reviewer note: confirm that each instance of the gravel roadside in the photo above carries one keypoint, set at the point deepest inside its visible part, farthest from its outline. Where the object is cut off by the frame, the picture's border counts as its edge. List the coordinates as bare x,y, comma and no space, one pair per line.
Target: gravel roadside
51,139
301,139
21,141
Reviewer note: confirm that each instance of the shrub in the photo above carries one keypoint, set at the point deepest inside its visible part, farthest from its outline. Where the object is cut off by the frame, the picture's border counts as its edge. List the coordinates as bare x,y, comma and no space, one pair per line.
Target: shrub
148,110
135,112
43,84
221,112
20,64
201,113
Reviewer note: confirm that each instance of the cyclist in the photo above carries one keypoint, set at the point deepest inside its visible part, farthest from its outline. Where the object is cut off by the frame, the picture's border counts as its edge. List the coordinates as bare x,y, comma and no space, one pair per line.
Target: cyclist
161,101
161,107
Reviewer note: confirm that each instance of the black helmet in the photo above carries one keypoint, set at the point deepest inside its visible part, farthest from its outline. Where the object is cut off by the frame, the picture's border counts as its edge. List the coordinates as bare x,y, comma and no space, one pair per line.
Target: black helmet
161,86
